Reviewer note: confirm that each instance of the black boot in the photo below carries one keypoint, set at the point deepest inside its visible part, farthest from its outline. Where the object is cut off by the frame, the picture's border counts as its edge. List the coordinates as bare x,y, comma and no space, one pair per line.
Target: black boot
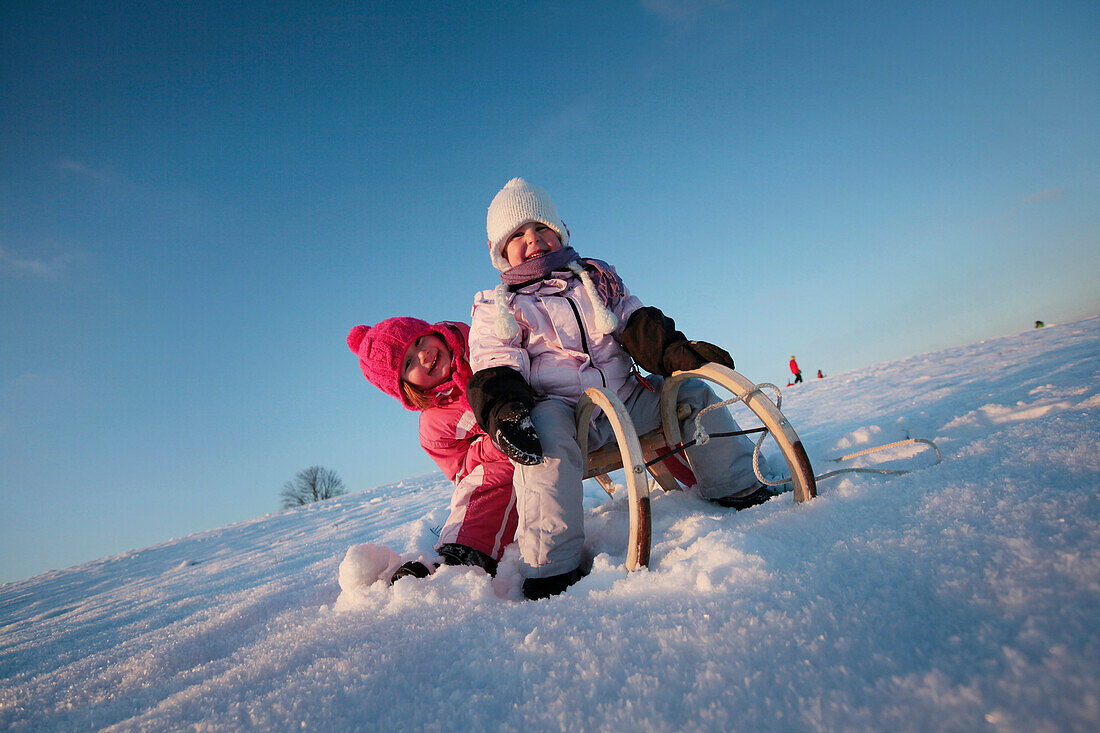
759,496
456,554
415,568
535,589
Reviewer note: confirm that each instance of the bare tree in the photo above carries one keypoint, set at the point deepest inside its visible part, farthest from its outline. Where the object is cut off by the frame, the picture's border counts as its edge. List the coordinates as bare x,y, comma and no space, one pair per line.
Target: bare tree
312,484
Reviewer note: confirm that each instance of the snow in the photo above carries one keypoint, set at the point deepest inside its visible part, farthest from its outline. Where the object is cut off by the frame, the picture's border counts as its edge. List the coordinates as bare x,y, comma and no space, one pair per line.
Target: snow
961,596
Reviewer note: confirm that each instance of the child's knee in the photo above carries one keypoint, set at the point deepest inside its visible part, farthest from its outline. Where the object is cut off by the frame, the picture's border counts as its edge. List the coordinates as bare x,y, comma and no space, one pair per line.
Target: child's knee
697,394
556,424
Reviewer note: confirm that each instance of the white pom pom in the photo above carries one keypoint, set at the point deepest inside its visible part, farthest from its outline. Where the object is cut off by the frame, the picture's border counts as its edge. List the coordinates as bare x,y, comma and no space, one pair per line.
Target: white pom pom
606,321
505,325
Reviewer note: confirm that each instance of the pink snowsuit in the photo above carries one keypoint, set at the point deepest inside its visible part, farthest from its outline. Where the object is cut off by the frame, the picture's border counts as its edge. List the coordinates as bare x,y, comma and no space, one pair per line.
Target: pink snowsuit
483,505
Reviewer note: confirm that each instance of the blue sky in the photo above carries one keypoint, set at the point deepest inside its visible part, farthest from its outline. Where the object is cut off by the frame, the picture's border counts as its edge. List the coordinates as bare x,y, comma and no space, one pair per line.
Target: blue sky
198,202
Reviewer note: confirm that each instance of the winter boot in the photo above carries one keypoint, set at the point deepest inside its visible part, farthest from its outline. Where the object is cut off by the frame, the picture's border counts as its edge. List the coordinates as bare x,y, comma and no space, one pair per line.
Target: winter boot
456,554
743,501
535,589
415,568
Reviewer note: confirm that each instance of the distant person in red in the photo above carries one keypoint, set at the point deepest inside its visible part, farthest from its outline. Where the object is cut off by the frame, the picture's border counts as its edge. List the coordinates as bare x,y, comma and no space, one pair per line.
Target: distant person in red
795,371
820,375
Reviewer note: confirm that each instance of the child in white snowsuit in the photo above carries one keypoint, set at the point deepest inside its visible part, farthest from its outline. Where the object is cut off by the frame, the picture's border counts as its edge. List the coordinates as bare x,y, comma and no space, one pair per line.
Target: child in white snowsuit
556,325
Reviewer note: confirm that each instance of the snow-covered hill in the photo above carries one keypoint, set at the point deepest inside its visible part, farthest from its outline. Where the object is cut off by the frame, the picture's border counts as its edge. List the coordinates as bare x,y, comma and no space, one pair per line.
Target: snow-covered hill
962,596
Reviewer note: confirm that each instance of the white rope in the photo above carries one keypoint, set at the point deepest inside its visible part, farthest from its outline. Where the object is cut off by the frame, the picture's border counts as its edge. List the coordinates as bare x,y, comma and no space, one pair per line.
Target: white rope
892,472
701,436
890,445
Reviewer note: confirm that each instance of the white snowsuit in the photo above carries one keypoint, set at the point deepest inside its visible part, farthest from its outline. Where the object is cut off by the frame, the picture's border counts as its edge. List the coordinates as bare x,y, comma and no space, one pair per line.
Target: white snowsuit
560,352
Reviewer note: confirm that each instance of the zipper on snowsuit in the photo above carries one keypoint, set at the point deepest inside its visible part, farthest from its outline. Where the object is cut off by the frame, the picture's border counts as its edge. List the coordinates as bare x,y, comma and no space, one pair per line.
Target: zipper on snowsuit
584,338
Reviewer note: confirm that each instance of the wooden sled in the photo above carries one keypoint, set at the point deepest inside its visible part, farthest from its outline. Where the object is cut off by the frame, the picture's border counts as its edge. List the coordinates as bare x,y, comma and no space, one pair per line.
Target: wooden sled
632,452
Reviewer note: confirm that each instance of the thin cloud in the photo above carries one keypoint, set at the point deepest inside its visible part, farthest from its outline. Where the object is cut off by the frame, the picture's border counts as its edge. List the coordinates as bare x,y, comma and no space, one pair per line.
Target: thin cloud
682,14
47,269
1019,206
35,384
563,125
75,166
1051,194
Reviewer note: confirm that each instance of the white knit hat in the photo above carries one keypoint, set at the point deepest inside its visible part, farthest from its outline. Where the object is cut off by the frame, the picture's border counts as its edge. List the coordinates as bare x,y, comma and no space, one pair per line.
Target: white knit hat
516,204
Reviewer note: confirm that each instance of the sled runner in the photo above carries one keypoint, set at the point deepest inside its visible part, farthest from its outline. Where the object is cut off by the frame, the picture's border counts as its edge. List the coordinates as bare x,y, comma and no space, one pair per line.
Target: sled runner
649,452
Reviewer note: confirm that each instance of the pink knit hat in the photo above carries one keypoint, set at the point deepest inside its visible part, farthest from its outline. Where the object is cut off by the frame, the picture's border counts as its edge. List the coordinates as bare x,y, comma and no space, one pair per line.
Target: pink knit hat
381,347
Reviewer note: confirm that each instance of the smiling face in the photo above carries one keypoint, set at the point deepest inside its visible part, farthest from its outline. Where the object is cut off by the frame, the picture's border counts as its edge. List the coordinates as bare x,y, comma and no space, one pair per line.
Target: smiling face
427,362
530,240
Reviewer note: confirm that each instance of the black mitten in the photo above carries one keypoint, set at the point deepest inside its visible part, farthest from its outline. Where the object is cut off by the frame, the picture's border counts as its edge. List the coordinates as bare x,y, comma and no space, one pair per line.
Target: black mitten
489,389
651,339
501,400
687,355
511,429
647,336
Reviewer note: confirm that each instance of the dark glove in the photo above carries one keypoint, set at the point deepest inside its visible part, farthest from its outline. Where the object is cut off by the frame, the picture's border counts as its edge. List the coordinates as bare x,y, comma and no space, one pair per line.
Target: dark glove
651,339
646,337
501,400
514,433
688,355
489,389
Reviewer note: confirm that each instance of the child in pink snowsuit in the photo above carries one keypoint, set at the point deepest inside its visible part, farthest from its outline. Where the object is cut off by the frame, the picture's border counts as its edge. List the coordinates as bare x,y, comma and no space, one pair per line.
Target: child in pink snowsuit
425,367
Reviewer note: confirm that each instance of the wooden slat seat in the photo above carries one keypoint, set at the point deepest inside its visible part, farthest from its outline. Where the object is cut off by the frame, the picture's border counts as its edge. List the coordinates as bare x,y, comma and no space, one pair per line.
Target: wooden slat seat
603,461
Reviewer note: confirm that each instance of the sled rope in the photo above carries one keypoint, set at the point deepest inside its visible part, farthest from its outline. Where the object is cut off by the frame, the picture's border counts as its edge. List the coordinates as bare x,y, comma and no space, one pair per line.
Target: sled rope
701,437
891,445
684,446
894,472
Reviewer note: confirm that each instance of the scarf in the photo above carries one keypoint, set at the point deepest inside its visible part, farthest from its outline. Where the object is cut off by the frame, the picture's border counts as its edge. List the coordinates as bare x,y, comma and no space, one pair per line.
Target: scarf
538,268
603,286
